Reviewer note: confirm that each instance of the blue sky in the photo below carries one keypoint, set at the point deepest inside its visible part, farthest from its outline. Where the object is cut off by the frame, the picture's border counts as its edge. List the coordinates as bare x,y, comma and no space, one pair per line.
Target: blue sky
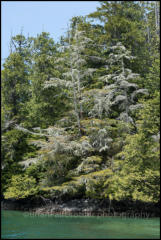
37,16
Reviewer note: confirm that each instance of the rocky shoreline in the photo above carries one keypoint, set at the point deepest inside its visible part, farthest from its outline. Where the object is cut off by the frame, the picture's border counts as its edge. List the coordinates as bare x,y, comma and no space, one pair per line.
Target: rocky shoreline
83,207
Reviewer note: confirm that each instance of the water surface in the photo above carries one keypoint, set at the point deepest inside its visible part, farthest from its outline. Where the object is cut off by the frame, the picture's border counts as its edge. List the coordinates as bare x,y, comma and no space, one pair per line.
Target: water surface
21,225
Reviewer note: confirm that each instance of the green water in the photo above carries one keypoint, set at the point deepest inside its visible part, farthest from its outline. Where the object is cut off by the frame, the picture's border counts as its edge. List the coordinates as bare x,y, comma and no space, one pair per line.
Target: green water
21,225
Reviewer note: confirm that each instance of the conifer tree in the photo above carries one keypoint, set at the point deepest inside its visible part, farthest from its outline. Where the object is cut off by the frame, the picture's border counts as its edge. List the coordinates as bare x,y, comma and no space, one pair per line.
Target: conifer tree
120,90
41,108
74,77
125,22
15,79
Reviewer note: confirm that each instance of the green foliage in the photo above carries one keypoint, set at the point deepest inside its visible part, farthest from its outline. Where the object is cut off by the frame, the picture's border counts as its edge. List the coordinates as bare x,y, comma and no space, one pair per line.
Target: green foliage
21,187
77,119
38,171
14,145
138,177
15,87
57,167
129,183
124,21
8,171
152,81
43,108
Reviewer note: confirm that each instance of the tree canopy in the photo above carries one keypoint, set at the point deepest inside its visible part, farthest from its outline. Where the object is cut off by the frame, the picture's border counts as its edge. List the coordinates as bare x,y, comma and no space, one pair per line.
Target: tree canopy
81,117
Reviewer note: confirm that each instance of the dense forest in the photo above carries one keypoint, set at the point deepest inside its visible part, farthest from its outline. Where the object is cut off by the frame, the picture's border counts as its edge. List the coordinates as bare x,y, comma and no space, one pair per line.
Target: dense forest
81,117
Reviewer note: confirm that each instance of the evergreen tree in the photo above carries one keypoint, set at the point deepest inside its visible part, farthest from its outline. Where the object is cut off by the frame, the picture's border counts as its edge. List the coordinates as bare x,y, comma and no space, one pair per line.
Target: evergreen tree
43,107
137,166
15,80
76,75
120,92
124,21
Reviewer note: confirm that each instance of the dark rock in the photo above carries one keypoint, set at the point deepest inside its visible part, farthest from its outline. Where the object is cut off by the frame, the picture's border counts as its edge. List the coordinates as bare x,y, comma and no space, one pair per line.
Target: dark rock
81,206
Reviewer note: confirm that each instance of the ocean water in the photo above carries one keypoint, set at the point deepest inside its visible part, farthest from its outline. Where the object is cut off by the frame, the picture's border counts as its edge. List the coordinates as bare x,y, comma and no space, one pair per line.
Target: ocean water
23,225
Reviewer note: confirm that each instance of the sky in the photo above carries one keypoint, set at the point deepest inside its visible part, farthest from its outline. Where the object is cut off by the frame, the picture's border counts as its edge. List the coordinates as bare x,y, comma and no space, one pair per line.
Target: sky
33,17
